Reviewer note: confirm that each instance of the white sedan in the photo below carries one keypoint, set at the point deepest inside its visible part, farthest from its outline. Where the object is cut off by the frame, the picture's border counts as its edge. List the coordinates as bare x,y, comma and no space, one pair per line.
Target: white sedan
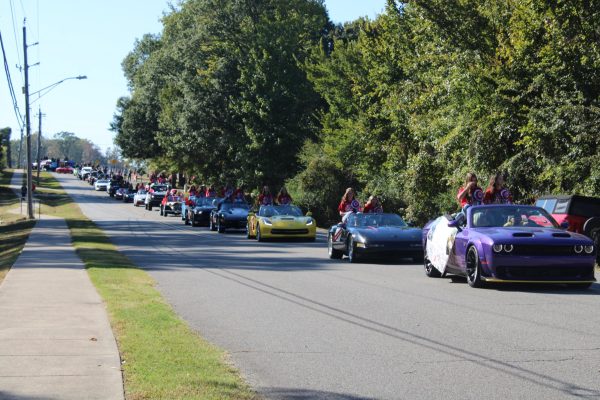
139,198
101,184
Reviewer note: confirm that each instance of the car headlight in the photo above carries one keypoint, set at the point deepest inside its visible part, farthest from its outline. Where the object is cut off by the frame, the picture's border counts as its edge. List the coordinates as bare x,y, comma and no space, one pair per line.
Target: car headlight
578,248
267,221
589,249
508,248
497,248
309,221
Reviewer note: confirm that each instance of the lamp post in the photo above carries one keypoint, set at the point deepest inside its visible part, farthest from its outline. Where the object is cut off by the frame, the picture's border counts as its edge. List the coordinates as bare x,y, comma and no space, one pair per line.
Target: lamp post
39,138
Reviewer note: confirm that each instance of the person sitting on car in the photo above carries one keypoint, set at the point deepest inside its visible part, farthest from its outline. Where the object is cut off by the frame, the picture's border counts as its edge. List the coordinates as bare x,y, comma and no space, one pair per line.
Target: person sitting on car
265,198
239,194
496,192
284,198
210,191
469,194
348,204
373,205
193,191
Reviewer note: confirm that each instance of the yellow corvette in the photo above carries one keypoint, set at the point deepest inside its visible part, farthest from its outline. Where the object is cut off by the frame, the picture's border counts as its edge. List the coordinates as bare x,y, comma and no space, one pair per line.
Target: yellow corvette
273,222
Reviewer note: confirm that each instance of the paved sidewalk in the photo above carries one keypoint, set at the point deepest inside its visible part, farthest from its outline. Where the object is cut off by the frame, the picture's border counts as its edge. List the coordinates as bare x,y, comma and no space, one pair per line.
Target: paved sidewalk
17,181
55,338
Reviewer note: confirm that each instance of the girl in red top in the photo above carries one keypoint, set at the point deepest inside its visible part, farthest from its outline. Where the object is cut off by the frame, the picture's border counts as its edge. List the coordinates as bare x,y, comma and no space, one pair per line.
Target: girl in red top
210,191
284,198
239,194
265,198
470,194
373,206
496,193
348,204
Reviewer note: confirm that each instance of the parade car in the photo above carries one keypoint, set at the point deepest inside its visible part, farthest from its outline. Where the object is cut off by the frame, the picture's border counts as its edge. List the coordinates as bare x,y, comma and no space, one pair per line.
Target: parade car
128,195
507,243
381,235
155,195
64,170
139,198
582,213
101,184
199,213
284,221
170,204
121,192
229,215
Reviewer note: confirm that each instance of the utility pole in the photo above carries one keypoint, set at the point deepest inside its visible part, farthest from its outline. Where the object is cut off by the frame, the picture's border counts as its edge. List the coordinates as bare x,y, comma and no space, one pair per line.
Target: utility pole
28,131
8,151
19,165
39,144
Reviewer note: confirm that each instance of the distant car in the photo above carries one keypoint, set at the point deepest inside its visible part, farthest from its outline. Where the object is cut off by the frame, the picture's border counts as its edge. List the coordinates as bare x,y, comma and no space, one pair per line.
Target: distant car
128,195
278,222
64,170
507,243
581,212
139,197
101,184
381,235
84,172
120,193
112,187
200,212
229,215
170,204
155,195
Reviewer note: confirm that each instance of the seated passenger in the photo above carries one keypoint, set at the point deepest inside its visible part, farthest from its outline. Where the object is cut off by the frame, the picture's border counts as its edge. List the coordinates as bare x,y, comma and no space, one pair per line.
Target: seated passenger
349,204
496,193
265,198
284,198
373,205
469,194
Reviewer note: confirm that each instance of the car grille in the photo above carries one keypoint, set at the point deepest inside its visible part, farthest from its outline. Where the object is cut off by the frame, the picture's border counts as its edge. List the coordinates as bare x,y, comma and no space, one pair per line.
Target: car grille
289,231
544,250
544,273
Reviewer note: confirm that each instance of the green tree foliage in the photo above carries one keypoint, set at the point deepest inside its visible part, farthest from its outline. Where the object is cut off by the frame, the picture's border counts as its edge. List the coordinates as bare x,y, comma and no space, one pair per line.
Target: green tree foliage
401,106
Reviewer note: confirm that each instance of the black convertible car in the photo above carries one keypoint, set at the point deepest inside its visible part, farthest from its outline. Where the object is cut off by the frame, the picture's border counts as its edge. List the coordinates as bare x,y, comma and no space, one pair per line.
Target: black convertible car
377,235
229,215
199,213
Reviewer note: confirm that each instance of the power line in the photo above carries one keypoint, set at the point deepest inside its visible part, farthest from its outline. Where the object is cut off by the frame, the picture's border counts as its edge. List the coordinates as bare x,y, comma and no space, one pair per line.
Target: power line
10,86
12,14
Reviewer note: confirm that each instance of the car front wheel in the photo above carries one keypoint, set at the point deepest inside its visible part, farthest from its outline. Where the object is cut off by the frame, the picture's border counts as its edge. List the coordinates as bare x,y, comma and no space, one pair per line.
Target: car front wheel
333,253
430,270
474,268
258,235
220,228
351,251
211,224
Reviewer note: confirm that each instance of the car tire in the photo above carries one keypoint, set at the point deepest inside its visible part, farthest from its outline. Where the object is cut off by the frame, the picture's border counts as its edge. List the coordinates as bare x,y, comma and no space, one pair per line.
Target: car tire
248,235
259,237
150,207
333,253
220,228
473,268
187,220
351,251
161,211
211,224
430,270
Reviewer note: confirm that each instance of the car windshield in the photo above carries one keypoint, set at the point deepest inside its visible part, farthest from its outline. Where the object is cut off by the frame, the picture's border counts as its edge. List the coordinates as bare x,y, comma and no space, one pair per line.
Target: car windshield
141,192
483,217
160,188
207,201
376,220
237,204
270,211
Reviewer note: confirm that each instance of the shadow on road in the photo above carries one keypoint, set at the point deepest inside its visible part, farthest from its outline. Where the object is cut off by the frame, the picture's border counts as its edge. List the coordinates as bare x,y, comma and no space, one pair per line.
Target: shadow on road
303,394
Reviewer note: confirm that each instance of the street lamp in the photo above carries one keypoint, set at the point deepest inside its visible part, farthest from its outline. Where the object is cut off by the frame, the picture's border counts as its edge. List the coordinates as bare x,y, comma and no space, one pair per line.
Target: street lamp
46,90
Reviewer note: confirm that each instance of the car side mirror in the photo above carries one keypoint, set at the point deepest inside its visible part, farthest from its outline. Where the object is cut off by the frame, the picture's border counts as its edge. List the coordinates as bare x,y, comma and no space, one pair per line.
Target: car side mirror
453,224
251,214
309,214
564,225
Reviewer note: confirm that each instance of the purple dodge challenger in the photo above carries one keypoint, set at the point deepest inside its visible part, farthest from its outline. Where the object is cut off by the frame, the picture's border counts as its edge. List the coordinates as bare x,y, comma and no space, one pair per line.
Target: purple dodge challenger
507,243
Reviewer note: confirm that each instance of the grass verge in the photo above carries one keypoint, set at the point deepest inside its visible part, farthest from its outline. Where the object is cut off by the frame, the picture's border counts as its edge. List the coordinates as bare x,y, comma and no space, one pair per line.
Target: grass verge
14,229
162,357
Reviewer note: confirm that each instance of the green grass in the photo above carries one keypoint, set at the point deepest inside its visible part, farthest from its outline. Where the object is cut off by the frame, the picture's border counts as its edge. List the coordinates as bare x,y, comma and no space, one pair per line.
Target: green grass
163,358
14,229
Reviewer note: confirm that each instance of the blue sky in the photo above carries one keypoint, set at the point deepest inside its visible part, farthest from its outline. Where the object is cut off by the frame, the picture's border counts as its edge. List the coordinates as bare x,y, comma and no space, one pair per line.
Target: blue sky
89,37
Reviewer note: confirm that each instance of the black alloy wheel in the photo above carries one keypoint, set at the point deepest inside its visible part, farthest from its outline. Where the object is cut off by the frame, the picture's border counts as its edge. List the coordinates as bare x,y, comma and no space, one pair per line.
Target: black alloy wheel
211,224
473,268
220,227
333,253
248,234
258,235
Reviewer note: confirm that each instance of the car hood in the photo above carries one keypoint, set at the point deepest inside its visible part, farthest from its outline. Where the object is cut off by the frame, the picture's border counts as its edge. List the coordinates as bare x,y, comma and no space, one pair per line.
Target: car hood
529,234
390,233
235,212
204,208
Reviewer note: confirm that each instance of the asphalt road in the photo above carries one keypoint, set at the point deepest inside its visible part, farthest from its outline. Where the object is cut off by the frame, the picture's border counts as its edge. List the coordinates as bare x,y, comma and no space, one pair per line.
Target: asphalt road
301,326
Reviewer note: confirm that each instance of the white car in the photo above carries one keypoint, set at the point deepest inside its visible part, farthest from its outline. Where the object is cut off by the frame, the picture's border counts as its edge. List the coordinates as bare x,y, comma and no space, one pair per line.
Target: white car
139,198
84,172
101,184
